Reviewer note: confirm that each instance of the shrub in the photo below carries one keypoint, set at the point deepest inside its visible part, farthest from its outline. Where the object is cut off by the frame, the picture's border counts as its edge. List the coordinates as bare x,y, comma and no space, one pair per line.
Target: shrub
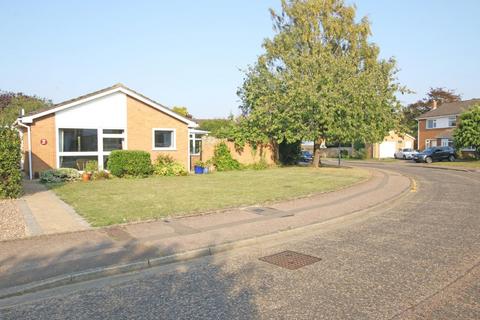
222,159
289,153
132,163
10,157
91,166
59,175
166,166
101,175
260,165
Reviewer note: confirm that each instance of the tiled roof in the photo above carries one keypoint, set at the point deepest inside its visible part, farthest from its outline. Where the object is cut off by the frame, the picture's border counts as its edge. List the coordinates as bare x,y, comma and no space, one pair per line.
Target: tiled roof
450,108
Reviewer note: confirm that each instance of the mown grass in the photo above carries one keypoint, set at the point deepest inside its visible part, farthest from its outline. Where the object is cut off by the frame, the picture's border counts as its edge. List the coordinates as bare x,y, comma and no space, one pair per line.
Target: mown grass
125,200
459,163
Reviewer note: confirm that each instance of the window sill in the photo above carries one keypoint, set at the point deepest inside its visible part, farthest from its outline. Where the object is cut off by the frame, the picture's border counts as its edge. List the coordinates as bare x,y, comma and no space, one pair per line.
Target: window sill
164,149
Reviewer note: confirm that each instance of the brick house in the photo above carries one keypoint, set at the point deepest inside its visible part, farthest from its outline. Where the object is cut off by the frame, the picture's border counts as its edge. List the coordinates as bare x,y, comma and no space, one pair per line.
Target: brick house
435,127
91,126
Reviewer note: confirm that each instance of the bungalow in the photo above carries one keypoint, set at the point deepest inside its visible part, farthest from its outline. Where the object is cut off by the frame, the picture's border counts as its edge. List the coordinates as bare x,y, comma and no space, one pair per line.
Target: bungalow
435,127
91,126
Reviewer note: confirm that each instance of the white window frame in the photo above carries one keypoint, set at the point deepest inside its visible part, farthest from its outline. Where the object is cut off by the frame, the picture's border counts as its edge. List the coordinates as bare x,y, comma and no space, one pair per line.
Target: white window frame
454,118
174,139
444,142
434,124
194,137
99,153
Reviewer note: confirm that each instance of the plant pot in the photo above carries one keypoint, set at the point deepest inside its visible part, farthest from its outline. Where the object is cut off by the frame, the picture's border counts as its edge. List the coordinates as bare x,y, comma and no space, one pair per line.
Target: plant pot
205,170
198,169
86,176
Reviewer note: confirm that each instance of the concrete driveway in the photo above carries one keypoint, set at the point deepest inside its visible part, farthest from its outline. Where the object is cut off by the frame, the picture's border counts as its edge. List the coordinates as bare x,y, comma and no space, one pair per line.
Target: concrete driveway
419,259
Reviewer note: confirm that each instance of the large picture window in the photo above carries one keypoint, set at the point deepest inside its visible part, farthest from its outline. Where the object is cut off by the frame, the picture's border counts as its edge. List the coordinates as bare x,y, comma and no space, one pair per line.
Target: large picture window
78,140
163,139
77,146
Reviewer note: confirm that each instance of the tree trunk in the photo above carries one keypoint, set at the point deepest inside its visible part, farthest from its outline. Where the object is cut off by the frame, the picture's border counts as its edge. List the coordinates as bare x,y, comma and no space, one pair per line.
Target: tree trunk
276,151
316,153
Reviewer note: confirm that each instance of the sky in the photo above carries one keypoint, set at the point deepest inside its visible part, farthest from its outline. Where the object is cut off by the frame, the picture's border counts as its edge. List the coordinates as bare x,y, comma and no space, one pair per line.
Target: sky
192,53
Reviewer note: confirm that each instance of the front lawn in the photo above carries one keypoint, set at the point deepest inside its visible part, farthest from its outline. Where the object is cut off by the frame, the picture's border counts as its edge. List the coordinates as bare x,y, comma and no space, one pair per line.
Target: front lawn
124,200
475,164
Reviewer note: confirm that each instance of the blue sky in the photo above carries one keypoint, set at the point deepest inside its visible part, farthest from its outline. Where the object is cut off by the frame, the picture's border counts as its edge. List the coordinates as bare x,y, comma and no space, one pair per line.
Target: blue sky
190,52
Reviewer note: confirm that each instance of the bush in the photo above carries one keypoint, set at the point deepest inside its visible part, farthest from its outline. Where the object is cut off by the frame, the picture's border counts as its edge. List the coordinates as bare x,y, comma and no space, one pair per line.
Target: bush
101,175
91,166
131,163
59,175
289,153
10,157
222,159
166,166
260,165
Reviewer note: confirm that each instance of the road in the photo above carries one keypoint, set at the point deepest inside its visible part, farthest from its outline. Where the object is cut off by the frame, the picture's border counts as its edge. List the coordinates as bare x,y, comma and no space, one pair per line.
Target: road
417,259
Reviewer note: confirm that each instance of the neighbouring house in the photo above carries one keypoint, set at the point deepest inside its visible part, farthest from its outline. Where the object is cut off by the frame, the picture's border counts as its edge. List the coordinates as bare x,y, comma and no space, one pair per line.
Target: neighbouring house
392,143
435,127
91,126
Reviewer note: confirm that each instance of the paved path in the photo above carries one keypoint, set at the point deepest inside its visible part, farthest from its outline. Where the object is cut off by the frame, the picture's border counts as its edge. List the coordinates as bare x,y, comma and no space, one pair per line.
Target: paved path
44,213
39,258
419,259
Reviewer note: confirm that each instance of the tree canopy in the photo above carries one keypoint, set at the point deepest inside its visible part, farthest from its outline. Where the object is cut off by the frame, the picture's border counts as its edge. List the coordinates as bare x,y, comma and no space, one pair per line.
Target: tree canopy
11,105
183,111
468,132
320,78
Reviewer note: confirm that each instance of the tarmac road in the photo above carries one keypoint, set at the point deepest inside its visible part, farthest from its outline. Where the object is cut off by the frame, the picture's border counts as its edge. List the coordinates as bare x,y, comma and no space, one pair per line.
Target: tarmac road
419,259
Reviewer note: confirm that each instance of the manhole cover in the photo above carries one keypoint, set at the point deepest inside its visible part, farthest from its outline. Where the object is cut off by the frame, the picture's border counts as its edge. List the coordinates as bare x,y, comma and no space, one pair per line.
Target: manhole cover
290,259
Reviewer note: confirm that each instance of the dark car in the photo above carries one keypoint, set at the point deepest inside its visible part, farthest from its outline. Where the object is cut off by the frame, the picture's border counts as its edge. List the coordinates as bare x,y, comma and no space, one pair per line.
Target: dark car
306,156
435,154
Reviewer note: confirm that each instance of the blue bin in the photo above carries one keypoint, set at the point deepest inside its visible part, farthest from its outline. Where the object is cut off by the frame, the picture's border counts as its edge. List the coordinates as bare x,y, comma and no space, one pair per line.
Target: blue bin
198,169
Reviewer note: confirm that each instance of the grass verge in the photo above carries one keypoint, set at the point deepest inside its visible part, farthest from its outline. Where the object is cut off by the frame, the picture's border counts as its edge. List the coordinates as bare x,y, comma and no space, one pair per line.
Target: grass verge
475,164
116,201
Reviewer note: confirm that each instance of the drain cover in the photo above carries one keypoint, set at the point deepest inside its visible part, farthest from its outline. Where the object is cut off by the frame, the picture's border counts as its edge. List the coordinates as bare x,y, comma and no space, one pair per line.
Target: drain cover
290,259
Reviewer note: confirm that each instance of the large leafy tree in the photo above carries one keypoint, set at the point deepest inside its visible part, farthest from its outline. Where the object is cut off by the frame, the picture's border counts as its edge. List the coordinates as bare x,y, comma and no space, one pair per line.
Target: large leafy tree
11,105
320,79
468,132
414,110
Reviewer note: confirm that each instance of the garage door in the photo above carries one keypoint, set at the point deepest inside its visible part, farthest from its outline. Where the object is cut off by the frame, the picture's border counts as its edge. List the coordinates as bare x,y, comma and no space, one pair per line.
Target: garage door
387,149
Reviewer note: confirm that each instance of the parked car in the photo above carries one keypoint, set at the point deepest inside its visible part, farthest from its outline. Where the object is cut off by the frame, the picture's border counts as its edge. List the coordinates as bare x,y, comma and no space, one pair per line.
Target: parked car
306,156
435,154
405,153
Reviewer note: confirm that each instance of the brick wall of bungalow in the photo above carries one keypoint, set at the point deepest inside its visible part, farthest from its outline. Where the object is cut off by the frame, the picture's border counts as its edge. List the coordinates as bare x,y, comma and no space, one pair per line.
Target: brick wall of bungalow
142,118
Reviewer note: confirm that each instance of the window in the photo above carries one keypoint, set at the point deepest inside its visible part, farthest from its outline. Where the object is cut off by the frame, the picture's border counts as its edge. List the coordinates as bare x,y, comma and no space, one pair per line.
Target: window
76,162
78,140
163,139
452,121
431,124
195,144
77,146
445,142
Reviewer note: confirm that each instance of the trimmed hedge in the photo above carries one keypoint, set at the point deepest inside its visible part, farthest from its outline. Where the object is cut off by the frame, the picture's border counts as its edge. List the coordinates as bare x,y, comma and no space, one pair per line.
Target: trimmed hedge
131,163
10,157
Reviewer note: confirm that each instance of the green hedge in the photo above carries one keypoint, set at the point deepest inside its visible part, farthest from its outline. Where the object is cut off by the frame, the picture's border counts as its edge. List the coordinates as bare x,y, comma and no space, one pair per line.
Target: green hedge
10,157
132,163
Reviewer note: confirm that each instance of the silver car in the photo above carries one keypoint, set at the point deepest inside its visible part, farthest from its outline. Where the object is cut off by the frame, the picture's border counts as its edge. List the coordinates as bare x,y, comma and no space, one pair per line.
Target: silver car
405,153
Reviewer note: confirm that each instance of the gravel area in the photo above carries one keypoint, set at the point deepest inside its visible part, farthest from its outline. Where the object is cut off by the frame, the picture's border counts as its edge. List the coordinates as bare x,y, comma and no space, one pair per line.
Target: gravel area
12,224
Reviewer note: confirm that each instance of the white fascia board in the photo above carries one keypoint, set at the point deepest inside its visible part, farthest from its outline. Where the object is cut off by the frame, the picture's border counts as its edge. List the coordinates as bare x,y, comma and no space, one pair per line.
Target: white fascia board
29,119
